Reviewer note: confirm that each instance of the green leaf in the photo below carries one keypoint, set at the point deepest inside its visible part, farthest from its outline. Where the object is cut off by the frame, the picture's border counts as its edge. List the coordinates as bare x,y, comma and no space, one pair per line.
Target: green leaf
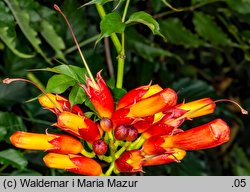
195,89
77,73
207,28
10,42
10,123
111,23
25,172
13,93
14,158
118,93
6,18
100,2
55,41
146,50
59,83
146,19
77,95
240,6
175,32
23,21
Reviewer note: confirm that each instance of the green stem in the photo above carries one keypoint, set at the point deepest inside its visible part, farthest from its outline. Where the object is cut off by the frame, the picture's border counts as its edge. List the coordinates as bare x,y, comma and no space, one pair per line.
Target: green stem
108,159
137,143
124,148
125,11
113,36
88,154
110,169
121,56
121,61
120,46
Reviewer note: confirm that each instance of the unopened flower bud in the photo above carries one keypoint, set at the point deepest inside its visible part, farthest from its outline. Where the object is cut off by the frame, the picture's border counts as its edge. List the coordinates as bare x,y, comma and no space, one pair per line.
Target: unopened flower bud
132,133
100,147
121,132
106,124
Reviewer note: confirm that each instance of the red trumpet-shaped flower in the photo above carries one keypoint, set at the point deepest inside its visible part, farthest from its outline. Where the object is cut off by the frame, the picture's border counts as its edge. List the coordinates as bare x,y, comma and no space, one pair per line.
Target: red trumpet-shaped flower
205,136
78,125
73,163
47,142
100,96
130,161
57,104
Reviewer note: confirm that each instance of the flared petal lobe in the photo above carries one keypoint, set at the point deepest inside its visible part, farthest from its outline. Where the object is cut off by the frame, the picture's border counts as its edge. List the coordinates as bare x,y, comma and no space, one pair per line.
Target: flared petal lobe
130,161
47,142
73,163
100,96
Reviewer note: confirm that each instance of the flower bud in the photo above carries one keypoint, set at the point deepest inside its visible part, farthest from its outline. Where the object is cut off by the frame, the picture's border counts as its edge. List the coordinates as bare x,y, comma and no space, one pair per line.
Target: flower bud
132,133
106,124
100,147
121,132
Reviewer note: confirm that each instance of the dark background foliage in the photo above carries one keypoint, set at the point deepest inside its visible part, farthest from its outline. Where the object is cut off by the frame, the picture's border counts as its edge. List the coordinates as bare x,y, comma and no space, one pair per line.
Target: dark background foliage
206,54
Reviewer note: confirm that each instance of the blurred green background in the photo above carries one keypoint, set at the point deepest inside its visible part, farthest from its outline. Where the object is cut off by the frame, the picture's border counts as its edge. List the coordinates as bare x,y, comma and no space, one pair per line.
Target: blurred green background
206,54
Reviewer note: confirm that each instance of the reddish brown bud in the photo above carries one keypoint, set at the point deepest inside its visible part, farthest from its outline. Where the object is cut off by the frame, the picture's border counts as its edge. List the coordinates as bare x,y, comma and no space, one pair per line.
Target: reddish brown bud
121,132
106,124
132,133
100,147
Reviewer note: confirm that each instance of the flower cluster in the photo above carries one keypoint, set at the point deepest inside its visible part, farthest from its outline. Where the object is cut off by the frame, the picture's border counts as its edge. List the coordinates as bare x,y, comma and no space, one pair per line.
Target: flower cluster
142,129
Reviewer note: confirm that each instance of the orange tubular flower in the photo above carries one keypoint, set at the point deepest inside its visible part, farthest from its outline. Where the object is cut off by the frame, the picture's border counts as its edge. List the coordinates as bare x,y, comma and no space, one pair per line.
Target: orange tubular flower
100,96
73,163
205,136
130,161
198,108
156,103
57,104
149,106
137,94
46,142
176,156
80,126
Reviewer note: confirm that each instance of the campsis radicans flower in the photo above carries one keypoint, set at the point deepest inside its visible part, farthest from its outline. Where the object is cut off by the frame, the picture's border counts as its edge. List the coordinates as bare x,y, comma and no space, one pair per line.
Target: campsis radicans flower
57,143
142,128
73,163
138,132
57,104
100,96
